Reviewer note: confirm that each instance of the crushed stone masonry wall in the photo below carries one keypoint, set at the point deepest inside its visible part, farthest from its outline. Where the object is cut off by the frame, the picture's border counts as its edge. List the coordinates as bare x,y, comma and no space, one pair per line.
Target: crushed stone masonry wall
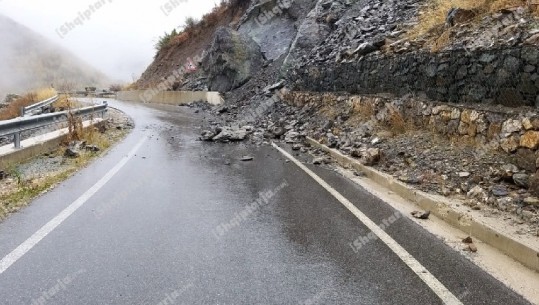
506,130
509,76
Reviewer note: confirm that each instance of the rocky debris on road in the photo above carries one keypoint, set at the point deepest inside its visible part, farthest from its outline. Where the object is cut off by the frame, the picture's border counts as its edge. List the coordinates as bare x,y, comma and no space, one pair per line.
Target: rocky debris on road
421,215
499,178
484,177
226,134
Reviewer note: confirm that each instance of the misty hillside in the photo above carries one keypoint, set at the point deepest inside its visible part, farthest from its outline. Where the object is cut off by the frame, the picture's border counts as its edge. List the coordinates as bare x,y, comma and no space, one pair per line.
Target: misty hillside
30,61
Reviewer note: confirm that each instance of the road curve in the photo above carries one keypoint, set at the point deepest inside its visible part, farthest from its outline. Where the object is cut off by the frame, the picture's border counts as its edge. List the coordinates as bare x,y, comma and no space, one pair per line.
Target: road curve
166,219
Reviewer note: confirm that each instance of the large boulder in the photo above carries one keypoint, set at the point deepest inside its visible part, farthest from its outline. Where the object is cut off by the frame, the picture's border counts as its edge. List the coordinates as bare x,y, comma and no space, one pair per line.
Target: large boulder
231,61
272,24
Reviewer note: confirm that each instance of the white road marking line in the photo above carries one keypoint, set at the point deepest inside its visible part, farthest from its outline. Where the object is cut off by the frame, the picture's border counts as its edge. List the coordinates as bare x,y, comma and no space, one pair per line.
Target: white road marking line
27,245
434,284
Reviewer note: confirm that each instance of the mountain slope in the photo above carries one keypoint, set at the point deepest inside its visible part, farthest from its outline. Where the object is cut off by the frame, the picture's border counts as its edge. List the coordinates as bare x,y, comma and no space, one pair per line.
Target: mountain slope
30,61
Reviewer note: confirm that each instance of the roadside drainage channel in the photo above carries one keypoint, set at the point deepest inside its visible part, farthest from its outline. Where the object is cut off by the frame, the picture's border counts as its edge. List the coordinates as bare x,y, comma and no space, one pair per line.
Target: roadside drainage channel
37,145
526,255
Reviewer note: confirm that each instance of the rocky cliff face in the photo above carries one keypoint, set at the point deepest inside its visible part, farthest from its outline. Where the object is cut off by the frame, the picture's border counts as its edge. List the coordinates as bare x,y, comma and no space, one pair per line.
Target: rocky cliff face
231,60
368,46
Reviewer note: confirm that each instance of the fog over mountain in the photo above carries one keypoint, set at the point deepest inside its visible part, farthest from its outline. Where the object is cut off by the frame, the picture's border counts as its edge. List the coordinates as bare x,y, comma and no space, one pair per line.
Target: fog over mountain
30,61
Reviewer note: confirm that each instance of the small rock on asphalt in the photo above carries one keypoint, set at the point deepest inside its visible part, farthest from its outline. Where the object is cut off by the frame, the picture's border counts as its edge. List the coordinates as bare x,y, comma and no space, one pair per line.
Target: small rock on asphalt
421,215
247,158
468,240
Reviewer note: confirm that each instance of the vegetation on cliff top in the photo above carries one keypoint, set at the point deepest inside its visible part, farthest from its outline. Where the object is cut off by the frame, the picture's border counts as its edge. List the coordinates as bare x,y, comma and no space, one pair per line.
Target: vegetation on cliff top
193,27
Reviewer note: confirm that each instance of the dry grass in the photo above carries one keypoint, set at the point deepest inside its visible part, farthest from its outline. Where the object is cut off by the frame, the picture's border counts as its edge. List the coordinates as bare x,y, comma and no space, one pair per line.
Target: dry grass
396,123
442,41
433,16
65,102
365,109
24,189
14,109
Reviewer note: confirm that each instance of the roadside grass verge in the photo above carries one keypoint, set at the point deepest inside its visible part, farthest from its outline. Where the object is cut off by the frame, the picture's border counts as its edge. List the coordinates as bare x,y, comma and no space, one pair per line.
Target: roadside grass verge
18,190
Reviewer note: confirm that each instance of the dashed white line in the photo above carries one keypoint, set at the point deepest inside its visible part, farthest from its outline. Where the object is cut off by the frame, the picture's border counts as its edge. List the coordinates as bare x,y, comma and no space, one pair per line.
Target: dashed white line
430,280
31,242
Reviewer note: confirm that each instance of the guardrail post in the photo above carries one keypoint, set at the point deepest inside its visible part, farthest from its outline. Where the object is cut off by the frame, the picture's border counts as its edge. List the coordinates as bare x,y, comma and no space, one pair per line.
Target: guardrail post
17,140
22,111
103,112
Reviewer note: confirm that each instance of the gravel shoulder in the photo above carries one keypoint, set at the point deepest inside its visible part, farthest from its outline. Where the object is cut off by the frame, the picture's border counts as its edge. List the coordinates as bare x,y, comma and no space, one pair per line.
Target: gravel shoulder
22,183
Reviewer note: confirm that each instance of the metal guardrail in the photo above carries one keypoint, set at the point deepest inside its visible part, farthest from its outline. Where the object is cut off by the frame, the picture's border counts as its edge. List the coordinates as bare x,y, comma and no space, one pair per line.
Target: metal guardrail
16,126
45,103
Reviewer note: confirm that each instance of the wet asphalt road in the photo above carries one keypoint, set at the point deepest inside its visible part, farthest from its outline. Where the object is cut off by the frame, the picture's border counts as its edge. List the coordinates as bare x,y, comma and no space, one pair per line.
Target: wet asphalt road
165,230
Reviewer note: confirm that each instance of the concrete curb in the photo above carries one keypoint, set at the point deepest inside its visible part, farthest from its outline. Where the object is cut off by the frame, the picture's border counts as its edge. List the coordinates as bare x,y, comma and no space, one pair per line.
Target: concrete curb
36,146
169,97
515,249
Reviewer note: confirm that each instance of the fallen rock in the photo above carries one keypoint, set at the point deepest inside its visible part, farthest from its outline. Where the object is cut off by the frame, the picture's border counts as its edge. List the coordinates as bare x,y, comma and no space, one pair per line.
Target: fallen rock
534,184
72,153
499,191
231,134
292,137
207,135
319,160
411,179
277,132
367,47
478,192
222,110
530,140
472,247
464,174
92,148
371,156
247,158
522,180
468,240
458,15
73,149
421,215
508,170
531,201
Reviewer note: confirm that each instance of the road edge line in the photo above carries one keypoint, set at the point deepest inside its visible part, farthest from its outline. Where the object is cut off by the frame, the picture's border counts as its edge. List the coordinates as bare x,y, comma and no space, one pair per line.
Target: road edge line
516,250
50,226
428,278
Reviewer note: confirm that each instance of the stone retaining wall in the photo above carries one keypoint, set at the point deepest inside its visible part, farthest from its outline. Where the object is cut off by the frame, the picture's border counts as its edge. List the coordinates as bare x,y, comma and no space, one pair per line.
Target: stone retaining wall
505,76
504,129
170,97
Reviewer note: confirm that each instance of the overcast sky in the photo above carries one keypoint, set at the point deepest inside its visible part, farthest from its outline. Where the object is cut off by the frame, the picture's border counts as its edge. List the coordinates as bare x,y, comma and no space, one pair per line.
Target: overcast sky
118,37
